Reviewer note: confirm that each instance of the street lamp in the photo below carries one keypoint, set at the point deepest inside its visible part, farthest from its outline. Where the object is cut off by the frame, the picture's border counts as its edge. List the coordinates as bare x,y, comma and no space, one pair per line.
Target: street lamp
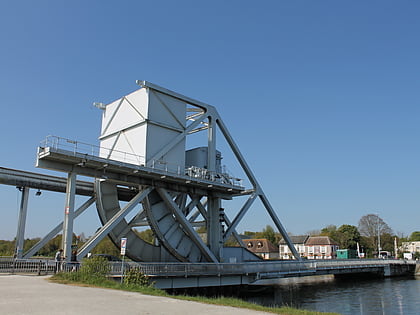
379,238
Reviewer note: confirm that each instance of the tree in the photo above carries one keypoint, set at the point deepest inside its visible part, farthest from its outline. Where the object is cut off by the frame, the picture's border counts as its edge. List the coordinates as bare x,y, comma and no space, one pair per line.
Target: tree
348,236
415,236
373,227
329,230
106,246
268,233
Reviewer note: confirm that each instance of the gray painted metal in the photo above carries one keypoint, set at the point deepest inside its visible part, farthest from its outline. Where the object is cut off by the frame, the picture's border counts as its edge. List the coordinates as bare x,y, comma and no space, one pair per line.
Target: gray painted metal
137,249
67,240
211,114
57,229
191,243
19,178
23,210
173,188
112,223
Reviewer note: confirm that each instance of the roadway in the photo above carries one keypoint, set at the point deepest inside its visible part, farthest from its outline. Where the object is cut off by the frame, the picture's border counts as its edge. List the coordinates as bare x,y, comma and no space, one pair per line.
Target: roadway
21,294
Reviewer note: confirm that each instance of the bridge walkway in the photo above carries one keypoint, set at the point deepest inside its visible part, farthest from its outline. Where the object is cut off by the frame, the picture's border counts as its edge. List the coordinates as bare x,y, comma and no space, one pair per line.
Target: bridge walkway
183,275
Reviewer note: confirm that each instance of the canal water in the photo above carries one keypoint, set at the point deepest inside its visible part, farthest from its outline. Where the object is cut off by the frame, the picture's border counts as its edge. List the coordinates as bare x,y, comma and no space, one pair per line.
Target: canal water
374,296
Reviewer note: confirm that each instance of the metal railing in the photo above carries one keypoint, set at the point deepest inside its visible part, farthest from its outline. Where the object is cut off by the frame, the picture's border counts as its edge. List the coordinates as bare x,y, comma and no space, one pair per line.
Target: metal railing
48,266
76,148
10,265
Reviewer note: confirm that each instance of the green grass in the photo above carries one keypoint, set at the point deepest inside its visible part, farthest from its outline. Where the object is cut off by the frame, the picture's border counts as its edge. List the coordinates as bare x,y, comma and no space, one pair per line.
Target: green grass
149,290
94,273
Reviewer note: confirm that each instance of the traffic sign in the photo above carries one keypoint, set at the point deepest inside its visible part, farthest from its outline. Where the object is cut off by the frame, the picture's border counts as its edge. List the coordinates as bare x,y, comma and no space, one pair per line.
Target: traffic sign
123,245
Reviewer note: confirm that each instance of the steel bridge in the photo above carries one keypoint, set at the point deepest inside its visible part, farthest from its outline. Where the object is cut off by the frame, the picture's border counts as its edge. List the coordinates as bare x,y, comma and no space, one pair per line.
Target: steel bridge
143,160
144,177
195,275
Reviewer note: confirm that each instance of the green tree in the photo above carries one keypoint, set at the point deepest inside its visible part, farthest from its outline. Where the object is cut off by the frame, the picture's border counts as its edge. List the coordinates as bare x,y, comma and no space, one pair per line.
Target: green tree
269,234
330,231
387,242
106,246
347,236
7,248
415,236
250,234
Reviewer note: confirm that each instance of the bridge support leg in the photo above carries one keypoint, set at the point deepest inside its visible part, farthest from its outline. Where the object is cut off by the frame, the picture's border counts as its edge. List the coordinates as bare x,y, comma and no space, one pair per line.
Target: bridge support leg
20,236
214,227
69,215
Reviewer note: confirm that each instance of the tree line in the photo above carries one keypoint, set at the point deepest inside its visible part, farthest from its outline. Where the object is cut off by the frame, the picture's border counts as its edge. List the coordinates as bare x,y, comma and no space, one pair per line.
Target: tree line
371,234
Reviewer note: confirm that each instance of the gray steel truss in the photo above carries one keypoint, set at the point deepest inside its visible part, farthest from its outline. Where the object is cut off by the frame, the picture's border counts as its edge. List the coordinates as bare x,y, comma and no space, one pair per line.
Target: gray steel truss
166,199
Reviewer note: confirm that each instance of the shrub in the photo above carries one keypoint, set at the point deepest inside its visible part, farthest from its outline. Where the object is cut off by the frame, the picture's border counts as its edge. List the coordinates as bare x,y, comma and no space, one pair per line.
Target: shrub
134,277
95,268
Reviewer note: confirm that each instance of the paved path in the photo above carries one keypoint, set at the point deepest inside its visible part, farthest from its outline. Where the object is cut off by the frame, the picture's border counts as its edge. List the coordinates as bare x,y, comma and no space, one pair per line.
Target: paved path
36,295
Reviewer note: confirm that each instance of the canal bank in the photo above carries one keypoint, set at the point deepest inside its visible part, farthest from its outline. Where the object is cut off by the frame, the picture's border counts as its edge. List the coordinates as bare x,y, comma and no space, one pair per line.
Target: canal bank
21,294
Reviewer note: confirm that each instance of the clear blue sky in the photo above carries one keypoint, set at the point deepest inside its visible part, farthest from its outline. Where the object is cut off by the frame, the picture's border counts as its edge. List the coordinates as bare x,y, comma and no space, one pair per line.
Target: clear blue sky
322,97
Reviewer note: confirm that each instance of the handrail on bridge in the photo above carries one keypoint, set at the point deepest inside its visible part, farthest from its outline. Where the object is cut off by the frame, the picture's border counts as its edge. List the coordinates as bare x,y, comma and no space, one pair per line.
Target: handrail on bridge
77,147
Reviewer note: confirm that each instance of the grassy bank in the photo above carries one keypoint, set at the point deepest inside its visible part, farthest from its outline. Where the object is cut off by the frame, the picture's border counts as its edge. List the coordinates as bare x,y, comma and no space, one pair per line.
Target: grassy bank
94,273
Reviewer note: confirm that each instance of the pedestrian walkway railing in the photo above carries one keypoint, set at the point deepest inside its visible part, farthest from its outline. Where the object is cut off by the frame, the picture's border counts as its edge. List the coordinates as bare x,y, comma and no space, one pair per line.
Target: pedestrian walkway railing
266,269
27,266
112,156
40,266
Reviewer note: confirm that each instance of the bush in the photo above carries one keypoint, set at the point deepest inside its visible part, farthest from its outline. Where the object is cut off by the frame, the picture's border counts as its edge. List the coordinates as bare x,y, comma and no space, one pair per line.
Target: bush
92,270
134,277
95,267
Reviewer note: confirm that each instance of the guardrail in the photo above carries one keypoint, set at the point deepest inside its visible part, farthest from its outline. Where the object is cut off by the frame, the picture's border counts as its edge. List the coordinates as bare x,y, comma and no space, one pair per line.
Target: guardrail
48,266
76,148
29,266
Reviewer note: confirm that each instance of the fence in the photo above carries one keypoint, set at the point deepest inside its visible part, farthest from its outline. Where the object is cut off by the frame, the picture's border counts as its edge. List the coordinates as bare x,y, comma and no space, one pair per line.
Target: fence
48,266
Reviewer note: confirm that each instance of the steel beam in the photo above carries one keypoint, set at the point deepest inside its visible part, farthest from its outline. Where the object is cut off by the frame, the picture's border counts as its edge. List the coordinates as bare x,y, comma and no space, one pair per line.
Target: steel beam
69,215
20,235
117,218
186,225
239,216
57,229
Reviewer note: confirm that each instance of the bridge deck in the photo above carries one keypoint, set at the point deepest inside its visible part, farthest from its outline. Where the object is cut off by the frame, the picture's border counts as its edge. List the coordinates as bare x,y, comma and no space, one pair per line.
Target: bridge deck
126,173
183,275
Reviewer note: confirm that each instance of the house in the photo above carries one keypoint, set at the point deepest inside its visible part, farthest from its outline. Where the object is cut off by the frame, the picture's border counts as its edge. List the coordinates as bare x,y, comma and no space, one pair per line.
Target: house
410,247
321,247
262,247
299,242
311,247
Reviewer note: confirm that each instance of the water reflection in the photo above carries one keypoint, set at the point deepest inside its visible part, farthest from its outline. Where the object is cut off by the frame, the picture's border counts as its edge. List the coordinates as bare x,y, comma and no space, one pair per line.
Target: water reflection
325,294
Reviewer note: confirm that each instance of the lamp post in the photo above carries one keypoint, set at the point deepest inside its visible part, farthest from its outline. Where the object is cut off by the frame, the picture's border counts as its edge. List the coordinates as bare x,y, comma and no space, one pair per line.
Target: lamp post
379,238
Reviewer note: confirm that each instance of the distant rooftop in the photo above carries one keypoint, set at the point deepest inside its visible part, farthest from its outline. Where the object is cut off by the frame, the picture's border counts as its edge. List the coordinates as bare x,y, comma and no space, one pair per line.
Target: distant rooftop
296,239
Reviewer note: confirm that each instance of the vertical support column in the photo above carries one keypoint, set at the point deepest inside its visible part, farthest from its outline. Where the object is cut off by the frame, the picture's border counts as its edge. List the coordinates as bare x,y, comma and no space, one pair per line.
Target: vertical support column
211,152
214,226
69,215
20,235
